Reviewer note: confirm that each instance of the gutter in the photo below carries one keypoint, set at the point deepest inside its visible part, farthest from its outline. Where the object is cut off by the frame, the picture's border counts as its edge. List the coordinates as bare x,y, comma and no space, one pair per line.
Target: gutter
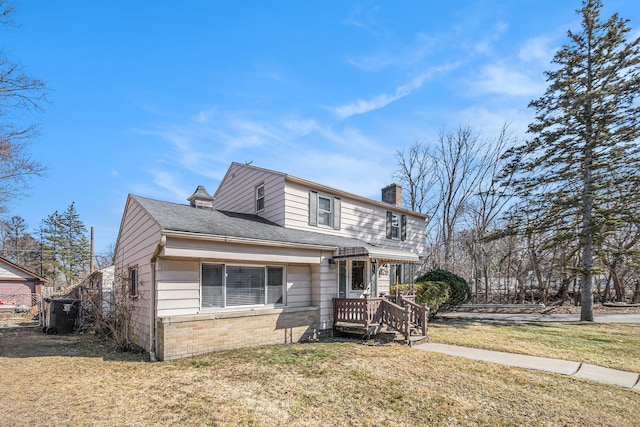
242,240
153,303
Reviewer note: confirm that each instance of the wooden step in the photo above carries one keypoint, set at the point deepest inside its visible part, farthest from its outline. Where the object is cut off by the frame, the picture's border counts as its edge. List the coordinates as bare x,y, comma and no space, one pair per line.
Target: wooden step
417,339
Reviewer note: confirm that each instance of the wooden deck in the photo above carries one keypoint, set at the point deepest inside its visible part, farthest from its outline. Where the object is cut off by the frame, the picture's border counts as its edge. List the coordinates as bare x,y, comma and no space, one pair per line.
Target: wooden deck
371,314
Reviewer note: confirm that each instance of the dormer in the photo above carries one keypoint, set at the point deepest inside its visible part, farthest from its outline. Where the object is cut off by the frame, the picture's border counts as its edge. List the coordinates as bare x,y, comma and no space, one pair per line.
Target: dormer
201,199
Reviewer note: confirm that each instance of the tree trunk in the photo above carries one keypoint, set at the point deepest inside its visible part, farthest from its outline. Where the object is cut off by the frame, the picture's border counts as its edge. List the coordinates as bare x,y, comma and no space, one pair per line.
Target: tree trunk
617,286
636,294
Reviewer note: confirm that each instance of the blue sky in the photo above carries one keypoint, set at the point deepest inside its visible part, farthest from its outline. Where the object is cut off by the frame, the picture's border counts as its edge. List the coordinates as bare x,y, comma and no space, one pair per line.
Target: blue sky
155,98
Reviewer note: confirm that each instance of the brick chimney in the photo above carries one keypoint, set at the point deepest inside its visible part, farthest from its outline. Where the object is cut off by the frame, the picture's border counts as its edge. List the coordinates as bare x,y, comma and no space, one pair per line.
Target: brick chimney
392,194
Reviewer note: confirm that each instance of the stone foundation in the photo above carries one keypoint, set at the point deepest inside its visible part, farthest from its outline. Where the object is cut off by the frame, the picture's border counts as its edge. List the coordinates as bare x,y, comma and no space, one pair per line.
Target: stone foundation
186,336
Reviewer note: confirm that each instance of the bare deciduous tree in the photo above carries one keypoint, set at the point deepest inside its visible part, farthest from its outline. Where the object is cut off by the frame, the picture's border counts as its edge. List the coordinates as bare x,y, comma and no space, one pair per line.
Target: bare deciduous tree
20,95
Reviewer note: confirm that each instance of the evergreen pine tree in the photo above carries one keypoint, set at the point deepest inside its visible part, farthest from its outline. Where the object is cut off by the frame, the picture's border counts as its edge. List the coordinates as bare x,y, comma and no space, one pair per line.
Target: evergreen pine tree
584,150
64,236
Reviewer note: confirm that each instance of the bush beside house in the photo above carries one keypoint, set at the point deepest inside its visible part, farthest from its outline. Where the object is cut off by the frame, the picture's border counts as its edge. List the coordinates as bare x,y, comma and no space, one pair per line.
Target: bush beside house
440,288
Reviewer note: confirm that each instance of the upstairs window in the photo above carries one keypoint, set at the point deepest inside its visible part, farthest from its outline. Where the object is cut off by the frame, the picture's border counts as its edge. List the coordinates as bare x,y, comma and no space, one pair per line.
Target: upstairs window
324,210
396,226
260,198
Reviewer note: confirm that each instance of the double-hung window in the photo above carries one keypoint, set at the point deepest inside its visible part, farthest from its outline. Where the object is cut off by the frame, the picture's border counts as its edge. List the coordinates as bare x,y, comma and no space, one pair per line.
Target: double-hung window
260,198
396,226
239,285
324,210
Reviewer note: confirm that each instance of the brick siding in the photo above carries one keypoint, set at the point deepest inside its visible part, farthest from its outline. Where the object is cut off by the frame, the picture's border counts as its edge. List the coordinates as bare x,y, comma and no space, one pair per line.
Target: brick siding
186,336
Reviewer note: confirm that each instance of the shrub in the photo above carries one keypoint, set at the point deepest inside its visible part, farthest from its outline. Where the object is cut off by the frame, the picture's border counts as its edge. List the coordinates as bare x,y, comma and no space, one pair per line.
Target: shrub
459,291
433,295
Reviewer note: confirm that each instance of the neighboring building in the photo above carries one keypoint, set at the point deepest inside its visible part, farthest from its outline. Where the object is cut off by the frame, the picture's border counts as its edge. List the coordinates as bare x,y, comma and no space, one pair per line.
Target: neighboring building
18,286
260,261
101,284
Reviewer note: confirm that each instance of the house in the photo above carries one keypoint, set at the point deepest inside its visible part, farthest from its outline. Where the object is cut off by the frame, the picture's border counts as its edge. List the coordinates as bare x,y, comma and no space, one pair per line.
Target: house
18,286
259,262
99,283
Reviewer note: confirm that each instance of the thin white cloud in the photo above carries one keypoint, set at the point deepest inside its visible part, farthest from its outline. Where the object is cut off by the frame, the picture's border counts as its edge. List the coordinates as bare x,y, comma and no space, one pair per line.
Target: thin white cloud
489,122
499,79
485,45
362,106
169,182
301,127
365,19
537,49
402,56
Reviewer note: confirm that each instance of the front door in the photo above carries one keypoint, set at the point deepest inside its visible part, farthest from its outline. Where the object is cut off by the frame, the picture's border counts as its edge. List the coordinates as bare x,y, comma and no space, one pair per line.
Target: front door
352,280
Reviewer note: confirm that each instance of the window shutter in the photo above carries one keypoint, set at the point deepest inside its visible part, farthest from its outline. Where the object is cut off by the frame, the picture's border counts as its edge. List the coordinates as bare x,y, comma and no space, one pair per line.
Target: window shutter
313,208
403,227
389,220
336,213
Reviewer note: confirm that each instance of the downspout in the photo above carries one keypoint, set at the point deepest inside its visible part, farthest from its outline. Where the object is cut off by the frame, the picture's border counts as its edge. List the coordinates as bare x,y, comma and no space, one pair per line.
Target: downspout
153,312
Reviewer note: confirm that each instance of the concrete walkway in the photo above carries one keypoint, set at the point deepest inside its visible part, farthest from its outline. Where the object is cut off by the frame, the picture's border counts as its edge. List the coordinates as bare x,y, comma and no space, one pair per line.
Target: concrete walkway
575,369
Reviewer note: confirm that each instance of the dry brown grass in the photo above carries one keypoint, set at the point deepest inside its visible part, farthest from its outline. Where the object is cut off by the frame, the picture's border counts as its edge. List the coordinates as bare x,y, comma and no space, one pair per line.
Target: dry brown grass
337,383
615,345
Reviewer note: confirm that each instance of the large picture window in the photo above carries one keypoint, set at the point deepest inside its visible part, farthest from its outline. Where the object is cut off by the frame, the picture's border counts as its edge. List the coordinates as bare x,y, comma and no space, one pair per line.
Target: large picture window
236,286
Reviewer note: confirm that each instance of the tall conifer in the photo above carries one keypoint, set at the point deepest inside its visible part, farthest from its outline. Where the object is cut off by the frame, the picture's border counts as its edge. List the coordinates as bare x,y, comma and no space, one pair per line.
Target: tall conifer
584,149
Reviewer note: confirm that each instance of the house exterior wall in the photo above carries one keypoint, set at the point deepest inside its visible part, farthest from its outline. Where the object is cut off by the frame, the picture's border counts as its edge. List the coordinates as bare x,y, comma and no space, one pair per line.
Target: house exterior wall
178,276
187,336
17,286
236,192
172,303
358,219
138,238
17,293
184,329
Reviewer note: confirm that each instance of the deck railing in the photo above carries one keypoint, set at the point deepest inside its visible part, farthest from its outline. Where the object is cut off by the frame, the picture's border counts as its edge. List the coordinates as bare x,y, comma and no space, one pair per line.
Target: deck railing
418,314
395,316
361,311
371,311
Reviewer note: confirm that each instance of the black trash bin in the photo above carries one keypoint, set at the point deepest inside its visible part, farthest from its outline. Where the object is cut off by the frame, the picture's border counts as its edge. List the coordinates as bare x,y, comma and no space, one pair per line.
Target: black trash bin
60,315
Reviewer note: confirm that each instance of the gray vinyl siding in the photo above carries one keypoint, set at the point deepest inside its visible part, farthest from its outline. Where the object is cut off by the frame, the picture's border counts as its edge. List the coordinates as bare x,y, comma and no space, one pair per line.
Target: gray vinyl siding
358,219
328,289
138,237
298,286
178,287
236,192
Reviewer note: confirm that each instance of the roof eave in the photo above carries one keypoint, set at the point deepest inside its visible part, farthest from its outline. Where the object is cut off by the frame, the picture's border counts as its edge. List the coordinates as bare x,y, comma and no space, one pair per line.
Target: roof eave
243,240
326,188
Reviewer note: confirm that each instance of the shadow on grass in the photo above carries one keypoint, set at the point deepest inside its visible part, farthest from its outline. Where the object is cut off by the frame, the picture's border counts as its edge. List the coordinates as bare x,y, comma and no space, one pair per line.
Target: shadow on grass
25,342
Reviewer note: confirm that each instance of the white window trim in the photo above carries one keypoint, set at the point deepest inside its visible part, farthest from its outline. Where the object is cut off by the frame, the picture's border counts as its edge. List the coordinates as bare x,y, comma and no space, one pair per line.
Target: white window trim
242,307
330,211
261,186
395,218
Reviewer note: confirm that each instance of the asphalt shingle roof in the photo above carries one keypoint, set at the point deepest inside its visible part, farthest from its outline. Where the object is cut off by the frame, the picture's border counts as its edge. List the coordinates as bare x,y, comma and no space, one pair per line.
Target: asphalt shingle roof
185,218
